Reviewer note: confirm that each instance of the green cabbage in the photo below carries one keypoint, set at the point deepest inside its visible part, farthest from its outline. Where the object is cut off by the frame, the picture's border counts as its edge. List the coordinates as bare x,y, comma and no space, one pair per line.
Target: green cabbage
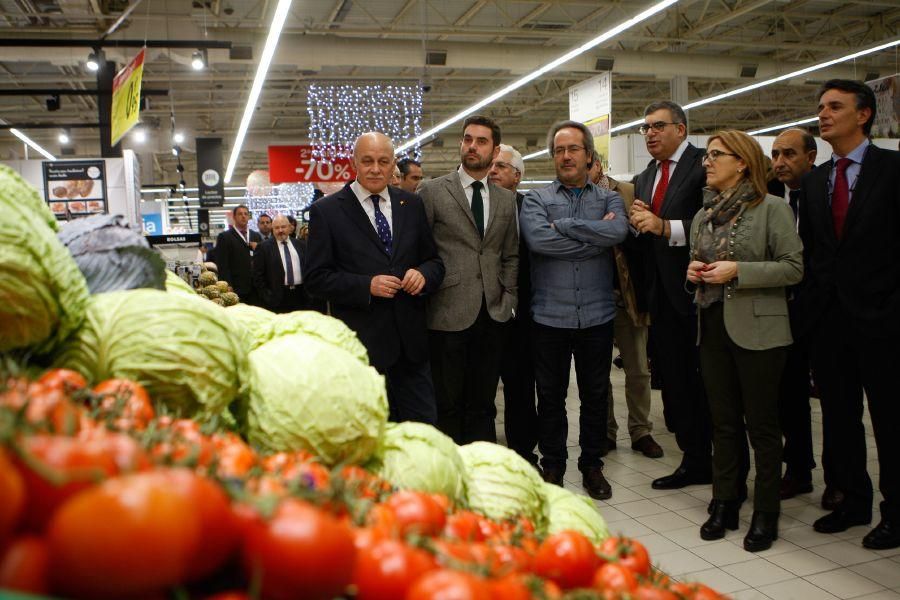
255,324
307,394
502,484
42,292
568,510
417,456
185,351
329,329
174,283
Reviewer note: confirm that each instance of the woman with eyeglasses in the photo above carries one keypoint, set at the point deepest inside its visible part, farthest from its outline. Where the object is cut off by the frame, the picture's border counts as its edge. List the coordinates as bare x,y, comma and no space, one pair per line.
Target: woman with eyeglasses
744,252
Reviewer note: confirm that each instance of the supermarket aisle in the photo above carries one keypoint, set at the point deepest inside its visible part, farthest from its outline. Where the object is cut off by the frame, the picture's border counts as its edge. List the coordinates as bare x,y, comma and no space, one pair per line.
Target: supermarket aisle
802,564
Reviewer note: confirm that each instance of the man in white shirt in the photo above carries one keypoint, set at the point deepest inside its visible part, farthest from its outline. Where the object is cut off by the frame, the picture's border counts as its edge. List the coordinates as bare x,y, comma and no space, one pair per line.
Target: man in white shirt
278,270
234,255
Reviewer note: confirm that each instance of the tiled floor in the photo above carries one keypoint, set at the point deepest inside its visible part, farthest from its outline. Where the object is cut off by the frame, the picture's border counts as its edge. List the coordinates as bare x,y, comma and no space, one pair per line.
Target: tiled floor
802,564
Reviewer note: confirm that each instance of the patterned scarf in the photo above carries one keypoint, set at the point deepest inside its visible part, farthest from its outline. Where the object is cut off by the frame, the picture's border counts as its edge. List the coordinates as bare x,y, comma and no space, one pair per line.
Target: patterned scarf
714,232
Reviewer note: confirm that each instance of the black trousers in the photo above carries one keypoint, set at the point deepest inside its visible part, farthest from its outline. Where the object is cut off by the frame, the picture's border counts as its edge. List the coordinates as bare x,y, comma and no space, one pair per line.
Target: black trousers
685,409
845,364
411,392
794,413
553,350
520,420
742,385
465,367
294,299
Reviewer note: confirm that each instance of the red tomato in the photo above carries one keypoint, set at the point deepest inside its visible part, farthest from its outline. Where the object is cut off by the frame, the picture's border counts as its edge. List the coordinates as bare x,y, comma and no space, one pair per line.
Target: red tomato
301,548
130,536
127,402
387,569
649,591
417,512
465,526
511,558
12,490
235,457
233,595
23,566
383,520
694,591
185,444
510,587
568,558
449,585
613,577
628,553
65,380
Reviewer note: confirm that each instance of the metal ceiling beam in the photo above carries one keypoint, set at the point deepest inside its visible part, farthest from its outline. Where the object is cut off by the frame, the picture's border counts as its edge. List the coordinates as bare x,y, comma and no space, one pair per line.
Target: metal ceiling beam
68,92
14,42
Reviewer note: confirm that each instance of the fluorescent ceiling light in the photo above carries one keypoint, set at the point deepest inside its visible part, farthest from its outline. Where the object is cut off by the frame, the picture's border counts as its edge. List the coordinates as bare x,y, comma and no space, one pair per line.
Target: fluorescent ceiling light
783,126
281,13
34,145
656,8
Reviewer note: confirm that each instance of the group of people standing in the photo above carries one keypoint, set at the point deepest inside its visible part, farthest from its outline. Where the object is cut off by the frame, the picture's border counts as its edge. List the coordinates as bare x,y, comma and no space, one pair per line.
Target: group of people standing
733,292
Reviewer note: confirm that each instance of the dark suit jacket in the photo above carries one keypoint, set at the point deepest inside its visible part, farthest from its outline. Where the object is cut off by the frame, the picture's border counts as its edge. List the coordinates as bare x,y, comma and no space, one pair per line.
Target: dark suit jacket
655,266
345,254
234,260
862,270
523,311
268,272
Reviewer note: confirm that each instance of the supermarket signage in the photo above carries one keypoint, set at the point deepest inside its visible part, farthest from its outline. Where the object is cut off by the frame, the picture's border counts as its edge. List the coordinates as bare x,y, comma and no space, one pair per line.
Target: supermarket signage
295,164
75,188
126,97
210,184
590,102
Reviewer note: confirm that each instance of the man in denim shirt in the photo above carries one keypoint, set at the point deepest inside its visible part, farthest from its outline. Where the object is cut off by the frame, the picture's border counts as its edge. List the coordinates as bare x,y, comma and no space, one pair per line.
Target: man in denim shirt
570,228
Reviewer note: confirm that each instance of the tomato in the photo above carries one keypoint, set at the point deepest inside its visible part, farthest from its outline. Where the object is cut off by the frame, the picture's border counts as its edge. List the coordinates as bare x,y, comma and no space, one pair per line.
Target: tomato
449,585
510,587
233,595
613,577
442,501
511,558
65,380
628,553
464,525
12,491
383,520
184,445
417,512
23,566
694,591
301,548
235,457
130,536
387,569
127,402
567,558
46,408
365,484
649,591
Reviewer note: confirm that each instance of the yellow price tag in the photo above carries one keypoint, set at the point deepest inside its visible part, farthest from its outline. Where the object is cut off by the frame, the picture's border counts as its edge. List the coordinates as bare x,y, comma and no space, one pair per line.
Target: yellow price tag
126,97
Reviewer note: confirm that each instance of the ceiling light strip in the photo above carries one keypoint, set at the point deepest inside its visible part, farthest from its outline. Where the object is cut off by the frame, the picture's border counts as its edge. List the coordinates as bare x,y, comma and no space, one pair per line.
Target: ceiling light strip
783,126
281,13
656,8
34,145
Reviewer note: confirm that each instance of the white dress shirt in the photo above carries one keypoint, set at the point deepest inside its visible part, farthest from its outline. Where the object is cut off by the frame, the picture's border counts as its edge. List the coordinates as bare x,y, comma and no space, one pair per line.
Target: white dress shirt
362,194
676,227
466,180
295,261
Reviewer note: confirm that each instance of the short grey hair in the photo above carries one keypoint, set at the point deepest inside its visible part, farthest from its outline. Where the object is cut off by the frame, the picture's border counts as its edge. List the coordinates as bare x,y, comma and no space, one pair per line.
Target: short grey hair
674,109
515,158
585,133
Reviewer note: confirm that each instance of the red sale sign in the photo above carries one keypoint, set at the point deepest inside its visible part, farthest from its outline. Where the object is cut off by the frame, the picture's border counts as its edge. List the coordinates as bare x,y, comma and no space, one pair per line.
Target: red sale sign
295,164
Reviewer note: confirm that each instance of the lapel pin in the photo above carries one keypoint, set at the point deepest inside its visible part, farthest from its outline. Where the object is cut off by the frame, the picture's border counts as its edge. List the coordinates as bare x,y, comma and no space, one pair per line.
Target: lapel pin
402,202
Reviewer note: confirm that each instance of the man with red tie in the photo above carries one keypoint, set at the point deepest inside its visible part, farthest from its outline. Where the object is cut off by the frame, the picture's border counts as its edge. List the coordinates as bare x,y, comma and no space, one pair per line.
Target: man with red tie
849,222
668,193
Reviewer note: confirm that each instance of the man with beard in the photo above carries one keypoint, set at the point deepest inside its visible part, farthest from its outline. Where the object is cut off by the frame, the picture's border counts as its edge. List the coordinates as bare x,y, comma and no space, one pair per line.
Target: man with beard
474,225
411,174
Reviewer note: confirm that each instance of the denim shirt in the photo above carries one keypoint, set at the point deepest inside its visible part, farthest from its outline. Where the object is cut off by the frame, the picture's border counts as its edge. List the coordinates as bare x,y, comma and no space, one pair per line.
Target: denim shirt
571,265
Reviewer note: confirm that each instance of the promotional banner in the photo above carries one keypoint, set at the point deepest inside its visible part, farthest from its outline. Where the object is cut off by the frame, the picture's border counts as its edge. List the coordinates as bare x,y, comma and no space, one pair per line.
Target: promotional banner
209,170
590,102
203,222
75,188
126,98
295,164
887,103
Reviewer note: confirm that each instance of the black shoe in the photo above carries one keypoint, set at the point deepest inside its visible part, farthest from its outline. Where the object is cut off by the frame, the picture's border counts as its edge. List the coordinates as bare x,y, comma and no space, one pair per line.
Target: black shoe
648,447
610,446
553,475
618,362
596,484
832,498
681,478
742,497
841,520
791,487
883,537
724,516
763,531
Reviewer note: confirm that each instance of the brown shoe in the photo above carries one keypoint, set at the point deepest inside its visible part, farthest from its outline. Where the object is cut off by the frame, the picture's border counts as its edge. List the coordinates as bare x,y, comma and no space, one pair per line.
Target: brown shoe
832,498
648,447
596,484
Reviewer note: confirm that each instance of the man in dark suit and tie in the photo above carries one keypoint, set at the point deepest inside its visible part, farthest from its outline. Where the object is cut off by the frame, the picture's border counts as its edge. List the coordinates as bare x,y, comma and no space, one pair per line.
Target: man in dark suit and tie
668,193
849,222
234,255
278,270
373,257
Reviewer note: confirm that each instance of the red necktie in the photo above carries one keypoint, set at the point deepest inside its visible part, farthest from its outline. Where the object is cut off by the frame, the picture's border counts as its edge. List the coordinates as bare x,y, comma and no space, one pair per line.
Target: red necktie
660,193
840,196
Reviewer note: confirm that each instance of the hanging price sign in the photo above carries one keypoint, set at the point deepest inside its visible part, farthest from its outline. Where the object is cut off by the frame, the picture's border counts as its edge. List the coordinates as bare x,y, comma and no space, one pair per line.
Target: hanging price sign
295,164
126,97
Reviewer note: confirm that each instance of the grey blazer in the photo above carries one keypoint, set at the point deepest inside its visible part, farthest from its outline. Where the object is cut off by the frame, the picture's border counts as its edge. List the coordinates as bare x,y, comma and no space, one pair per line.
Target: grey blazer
475,267
769,254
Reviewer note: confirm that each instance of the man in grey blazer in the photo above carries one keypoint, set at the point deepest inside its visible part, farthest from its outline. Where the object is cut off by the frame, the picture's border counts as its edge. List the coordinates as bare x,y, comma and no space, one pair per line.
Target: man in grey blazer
474,226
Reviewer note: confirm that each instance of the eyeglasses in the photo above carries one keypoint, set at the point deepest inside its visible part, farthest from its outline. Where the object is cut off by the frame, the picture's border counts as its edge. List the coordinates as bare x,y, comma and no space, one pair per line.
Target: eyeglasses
560,150
502,165
658,126
713,155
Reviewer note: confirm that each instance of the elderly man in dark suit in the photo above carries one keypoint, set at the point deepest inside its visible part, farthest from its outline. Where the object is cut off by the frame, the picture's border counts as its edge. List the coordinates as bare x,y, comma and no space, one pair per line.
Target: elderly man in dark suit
849,223
278,270
234,255
474,225
372,256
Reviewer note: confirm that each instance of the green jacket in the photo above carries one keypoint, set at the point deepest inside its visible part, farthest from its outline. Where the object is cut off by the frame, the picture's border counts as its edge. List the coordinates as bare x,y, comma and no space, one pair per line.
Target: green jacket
769,256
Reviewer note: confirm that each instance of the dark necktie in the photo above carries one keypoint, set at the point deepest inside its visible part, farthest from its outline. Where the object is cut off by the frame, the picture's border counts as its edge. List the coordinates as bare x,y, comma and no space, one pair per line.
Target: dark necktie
660,194
840,196
381,224
478,207
288,264
794,198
